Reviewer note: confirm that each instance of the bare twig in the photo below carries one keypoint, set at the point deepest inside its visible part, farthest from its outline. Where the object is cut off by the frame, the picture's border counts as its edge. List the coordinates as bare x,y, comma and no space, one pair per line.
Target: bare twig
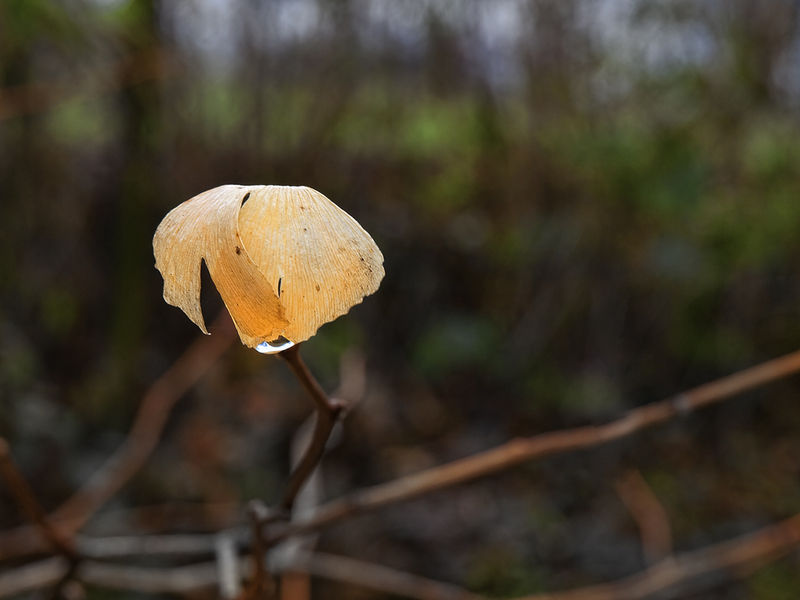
29,505
262,584
384,579
183,544
137,447
297,585
148,424
463,470
34,576
176,580
648,513
328,411
197,516
523,449
201,576
732,559
694,571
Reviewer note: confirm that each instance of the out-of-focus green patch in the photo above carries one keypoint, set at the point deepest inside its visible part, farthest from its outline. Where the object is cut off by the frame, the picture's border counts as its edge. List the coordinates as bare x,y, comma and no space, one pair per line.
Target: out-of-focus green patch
749,228
698,336
590,394
549,523
655,174
448,189
59,310
221,106
455,342
18,364
371,123
778,581
82,123
770,150
26,19
129,14
543,387
676,260
509,245
434,129
666,485
498,572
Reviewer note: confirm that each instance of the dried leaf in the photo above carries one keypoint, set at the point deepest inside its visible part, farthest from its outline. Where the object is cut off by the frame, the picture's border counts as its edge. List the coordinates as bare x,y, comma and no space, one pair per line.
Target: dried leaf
285,260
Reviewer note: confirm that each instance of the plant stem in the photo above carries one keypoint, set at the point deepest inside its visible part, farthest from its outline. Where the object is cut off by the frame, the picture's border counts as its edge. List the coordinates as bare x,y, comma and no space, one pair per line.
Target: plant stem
328,411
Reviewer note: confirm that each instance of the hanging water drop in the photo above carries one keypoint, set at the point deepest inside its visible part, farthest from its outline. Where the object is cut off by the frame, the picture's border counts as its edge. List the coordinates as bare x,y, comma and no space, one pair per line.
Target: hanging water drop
274,346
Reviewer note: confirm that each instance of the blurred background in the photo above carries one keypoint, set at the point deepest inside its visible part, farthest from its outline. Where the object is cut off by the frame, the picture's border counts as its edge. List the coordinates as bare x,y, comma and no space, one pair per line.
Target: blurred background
584,206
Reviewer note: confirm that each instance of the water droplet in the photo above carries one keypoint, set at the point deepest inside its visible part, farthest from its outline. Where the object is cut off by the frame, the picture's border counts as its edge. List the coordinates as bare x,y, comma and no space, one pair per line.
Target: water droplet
274,346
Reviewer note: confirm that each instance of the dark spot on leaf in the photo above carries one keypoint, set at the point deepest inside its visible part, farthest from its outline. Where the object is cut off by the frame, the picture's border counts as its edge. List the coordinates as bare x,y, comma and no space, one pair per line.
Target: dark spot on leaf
362,258
302,207
238,250
246,198
317,287
280,279
305,228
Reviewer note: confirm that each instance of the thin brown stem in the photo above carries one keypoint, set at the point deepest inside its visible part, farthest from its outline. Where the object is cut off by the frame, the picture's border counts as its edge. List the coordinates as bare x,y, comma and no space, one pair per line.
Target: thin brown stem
649,514
526,448
262,584
328,411
29,505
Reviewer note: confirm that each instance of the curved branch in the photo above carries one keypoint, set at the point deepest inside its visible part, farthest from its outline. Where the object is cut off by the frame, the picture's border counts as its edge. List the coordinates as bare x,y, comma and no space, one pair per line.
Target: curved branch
523,449
142,439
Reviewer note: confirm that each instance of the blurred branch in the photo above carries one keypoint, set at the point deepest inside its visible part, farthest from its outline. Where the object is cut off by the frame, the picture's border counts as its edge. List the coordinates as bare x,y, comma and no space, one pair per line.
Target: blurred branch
694,570
648,513
523,449
262,585
376,577
194,516
29,505
227,566
297,585
496,459
142,439
748,551
732,559
34,576
123,546
203,576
